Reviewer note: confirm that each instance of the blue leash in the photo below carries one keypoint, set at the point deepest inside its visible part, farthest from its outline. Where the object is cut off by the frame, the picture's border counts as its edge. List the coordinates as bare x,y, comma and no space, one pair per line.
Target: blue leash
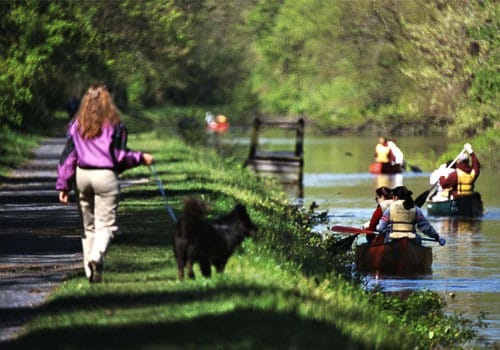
162,191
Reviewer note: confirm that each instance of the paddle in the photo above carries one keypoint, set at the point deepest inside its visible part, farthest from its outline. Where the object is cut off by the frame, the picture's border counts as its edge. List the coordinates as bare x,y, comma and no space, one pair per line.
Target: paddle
412,167
356,231
343,244
424,196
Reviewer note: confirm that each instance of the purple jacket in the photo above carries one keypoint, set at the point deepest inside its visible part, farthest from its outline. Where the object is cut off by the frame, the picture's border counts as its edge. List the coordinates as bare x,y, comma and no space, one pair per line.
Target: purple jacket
108,150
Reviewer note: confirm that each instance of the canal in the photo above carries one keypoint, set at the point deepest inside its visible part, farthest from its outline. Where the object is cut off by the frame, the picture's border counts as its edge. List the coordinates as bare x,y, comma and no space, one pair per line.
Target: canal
466,271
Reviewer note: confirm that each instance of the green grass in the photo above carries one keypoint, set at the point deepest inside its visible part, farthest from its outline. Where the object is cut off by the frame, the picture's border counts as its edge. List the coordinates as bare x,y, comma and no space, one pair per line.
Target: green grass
15,149
281,289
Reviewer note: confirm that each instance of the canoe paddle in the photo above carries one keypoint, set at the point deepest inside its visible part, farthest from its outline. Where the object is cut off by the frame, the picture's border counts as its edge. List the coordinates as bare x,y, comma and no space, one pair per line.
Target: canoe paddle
413,168
353,230
356,231
425,196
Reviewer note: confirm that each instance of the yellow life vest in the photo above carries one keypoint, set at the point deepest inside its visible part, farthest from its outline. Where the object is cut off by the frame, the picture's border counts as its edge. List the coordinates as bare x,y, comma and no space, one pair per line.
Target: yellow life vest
465,182
402,220
382,153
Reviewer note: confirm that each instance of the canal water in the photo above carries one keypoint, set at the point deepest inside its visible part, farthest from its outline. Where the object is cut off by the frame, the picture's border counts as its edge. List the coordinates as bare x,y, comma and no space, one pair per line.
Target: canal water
466,271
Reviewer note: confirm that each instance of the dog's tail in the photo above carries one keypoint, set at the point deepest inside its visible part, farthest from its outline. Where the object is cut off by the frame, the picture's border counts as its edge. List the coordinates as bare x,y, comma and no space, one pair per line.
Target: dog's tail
194,208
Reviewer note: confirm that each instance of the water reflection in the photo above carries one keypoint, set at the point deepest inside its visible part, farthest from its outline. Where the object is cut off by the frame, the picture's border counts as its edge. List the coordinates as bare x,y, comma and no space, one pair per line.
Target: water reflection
453,225
390,181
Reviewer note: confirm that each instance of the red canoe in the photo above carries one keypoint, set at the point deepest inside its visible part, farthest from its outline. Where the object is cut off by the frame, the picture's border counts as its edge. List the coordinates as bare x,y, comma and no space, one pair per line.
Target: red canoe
400,256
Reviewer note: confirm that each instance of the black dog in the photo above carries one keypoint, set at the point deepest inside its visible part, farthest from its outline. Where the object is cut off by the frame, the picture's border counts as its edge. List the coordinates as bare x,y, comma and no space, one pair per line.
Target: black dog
208,242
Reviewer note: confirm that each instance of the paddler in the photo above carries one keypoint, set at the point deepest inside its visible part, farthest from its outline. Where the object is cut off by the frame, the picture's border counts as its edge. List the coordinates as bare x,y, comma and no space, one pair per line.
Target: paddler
460,182
384,155
383,197
402,218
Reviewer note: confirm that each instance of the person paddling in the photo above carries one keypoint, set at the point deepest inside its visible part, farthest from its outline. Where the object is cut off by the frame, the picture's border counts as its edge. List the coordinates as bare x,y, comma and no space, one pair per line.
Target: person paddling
402,218
444,170
460,182
384,155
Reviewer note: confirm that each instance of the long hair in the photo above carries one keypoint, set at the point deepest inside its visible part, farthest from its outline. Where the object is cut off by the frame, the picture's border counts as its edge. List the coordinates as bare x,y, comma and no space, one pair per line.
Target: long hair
97,109
384,191
405,194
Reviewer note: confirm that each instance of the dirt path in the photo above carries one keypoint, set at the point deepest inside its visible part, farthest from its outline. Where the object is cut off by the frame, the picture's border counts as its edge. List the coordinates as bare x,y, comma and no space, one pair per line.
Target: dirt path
39,238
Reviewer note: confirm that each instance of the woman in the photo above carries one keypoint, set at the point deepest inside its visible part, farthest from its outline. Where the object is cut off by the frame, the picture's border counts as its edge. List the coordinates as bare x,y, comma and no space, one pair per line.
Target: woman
402,218
95,153
383,197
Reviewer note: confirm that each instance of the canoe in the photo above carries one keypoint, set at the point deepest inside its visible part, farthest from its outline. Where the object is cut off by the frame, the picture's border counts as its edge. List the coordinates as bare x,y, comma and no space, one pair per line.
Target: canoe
400,256
385,168
464,206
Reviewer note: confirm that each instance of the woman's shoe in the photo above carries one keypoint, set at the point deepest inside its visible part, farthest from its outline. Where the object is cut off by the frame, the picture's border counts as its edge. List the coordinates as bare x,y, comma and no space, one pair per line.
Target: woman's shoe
95,272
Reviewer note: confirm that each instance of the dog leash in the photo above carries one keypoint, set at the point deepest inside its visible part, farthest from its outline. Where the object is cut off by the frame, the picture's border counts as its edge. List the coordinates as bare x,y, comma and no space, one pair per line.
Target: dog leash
162,191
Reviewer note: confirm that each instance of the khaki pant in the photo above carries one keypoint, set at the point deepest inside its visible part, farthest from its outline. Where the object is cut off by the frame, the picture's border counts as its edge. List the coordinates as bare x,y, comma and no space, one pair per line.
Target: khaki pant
98,192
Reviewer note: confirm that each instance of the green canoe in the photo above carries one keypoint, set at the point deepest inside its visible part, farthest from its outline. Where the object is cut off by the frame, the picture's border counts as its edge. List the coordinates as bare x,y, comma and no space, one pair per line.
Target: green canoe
464,206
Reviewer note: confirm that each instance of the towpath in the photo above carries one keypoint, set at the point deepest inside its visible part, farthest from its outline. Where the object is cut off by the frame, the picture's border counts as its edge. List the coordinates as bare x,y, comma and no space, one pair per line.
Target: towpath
39,238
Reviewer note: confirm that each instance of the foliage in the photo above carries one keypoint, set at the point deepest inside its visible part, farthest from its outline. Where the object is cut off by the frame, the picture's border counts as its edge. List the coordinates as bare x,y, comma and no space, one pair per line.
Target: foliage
304,66
35,41
382,63
66,45
422,312
487,145
479,109
16,149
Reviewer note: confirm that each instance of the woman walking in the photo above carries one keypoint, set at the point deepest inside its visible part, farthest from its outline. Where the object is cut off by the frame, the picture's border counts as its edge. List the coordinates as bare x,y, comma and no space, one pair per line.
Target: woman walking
95,153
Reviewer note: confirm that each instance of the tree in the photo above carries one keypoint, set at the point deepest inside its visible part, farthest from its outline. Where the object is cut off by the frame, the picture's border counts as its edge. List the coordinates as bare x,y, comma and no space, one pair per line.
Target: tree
52,50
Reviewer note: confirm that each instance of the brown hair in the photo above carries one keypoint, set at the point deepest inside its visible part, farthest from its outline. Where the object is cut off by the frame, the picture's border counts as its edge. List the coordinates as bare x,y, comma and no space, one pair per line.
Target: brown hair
96,110
384,191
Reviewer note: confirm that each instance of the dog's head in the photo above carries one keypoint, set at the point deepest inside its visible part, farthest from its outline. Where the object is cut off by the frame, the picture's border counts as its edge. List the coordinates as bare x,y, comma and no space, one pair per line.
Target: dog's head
247,226
195,208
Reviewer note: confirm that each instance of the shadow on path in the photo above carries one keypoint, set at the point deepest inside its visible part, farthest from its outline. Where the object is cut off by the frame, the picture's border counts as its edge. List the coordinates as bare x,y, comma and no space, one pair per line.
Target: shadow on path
39,237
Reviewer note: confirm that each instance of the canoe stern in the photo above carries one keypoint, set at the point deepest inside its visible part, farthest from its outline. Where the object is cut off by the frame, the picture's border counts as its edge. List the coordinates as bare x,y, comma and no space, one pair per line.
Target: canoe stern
400,256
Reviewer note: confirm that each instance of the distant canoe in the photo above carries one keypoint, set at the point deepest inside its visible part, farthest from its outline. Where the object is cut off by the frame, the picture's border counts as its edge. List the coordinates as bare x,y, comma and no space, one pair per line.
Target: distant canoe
464,206
400,256
385,168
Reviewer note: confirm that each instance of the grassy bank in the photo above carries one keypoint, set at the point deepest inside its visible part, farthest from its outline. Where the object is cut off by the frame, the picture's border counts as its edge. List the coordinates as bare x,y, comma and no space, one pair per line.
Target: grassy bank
15,149
282,288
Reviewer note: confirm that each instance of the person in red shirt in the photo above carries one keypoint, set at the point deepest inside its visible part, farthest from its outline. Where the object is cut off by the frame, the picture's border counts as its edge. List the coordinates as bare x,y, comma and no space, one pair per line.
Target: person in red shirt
383,197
